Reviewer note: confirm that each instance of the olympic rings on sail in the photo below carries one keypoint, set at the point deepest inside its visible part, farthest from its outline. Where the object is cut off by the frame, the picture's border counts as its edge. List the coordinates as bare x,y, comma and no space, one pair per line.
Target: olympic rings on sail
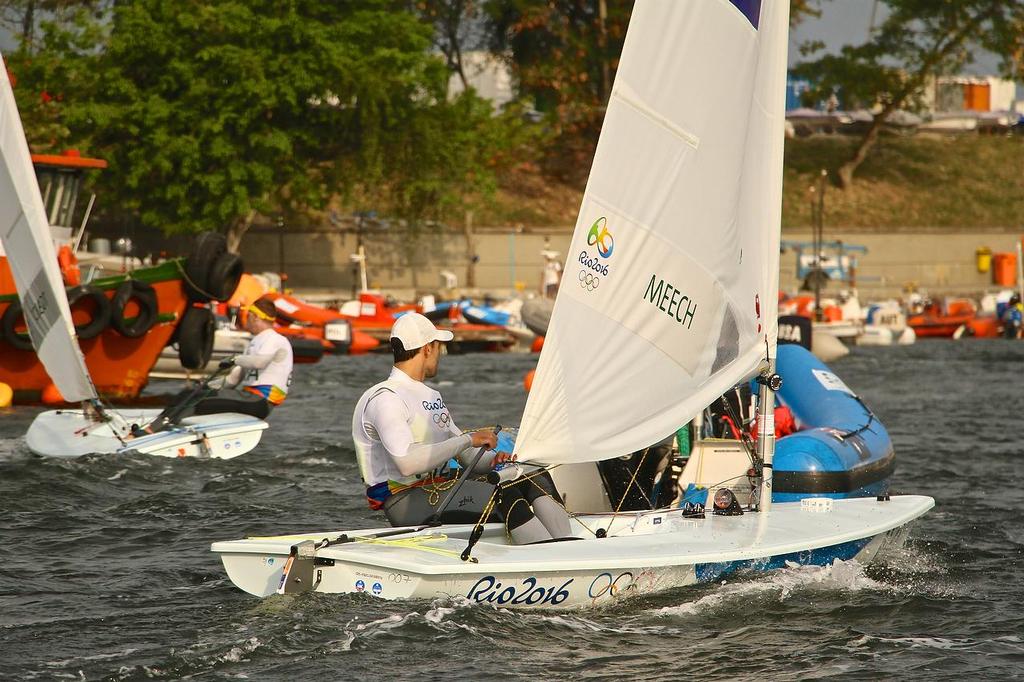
589,281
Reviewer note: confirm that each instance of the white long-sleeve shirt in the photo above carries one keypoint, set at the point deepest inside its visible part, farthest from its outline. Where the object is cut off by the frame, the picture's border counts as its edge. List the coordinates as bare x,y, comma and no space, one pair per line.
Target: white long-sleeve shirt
267,361
402,429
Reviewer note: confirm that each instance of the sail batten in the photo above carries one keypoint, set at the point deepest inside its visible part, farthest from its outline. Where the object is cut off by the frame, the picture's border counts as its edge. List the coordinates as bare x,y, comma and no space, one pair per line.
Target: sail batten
28,246
670,287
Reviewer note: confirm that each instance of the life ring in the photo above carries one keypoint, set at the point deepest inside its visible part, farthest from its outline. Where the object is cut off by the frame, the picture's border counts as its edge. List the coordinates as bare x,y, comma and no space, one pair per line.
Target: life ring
100,314
145,300
207,248
69,267
195,337
8,328
224,275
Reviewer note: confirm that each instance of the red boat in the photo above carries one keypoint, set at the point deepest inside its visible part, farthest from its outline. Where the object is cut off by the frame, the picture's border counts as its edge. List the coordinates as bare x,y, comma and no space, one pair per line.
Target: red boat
296,318
123,320
942,319
374,314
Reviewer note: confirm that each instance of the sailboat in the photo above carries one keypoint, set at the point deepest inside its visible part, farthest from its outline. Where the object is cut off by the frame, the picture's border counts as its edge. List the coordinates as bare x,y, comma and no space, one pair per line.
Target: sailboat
668,300
26,238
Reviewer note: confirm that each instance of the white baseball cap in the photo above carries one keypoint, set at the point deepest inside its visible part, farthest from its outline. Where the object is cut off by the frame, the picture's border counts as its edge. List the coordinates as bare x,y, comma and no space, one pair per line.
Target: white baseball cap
415,331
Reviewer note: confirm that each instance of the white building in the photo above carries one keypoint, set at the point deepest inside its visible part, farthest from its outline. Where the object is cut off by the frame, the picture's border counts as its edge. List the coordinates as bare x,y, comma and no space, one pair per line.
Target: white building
487,74
950,94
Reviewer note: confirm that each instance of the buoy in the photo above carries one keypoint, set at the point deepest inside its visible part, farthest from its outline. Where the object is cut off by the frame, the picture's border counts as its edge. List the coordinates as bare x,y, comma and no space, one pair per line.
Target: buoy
51,395
537,345
528,379
6,395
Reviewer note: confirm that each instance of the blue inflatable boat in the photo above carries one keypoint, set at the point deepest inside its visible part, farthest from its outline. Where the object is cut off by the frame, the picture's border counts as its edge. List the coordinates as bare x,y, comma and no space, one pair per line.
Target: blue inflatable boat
482,314
477,314
841,449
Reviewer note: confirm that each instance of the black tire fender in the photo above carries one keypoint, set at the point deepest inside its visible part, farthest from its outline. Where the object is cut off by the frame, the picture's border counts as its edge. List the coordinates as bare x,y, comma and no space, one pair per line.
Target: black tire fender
145,298
195,337
224,275
100,316
8,327
206,249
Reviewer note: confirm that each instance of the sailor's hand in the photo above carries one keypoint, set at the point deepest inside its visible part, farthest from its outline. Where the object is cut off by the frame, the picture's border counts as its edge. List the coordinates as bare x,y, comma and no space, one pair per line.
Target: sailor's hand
226,363
482,438
502,457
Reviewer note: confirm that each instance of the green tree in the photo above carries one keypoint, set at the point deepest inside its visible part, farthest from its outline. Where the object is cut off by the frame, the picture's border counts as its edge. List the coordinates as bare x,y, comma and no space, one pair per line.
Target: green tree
453,22
213,111
917,41
22,17
564,54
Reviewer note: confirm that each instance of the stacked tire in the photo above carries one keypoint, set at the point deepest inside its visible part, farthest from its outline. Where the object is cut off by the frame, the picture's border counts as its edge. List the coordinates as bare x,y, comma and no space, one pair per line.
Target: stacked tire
211,273
99,312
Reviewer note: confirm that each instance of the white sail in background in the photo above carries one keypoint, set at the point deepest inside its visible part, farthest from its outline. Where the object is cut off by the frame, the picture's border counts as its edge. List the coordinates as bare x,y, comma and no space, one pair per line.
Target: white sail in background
669,292
25,235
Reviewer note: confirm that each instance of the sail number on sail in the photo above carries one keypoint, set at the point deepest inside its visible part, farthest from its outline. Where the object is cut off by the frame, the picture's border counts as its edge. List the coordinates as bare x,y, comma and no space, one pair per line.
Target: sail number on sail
679,306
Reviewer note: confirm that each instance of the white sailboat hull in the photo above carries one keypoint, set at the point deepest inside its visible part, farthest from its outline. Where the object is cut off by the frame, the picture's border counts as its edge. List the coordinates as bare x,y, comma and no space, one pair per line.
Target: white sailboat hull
644,552
68,433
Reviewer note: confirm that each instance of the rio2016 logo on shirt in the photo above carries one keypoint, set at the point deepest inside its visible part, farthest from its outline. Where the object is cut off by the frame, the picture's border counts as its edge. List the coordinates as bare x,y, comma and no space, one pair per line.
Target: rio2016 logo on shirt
601,237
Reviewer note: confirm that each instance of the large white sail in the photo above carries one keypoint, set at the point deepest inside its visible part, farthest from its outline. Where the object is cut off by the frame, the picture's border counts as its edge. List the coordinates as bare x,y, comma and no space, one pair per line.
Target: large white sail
26,239
669,292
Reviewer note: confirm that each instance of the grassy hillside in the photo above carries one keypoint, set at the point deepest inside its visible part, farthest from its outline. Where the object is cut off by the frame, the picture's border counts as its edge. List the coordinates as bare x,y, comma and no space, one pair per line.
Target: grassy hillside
923,181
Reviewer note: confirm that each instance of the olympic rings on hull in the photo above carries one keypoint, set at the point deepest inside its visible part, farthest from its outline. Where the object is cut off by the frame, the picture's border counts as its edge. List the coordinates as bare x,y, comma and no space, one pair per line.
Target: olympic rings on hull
589,281
604,584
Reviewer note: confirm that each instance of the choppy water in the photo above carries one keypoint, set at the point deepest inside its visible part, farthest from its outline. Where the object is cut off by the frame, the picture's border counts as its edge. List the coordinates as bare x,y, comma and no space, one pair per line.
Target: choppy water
106,572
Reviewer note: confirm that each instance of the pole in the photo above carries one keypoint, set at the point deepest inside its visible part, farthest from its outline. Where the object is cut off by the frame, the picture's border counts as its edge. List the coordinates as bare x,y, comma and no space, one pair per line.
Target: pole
769,382
470,251
1020,270
819,236
362,269
512,256
280,250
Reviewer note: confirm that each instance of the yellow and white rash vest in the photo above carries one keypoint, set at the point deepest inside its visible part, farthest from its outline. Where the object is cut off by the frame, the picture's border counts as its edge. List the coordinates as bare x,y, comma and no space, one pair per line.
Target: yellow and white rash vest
266,366
402,430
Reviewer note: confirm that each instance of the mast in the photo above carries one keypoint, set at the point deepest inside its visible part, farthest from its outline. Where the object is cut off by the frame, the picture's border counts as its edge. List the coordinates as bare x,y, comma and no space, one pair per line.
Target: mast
769,382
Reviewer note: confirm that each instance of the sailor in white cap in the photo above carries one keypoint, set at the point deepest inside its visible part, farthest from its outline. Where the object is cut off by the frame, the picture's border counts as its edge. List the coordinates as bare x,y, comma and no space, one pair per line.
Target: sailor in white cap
551,276
404,433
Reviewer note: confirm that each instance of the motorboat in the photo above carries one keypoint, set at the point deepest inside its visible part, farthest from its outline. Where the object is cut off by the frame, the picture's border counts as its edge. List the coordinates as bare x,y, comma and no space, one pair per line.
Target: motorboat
32,257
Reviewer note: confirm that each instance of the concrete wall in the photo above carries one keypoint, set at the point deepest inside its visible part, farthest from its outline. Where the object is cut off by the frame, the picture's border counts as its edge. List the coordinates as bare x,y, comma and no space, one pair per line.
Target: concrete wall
404,264
936,261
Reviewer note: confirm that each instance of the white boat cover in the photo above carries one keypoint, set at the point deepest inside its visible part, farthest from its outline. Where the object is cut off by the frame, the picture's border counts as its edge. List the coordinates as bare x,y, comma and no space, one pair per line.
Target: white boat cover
669,292
26,239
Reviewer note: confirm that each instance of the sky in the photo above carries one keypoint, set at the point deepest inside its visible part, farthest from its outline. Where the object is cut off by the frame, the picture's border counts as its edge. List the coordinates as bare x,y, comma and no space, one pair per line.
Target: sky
845,22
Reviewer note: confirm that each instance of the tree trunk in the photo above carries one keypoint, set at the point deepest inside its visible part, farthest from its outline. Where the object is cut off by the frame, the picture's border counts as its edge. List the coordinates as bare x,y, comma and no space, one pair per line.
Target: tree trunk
28,24
602,41
846,171
238,230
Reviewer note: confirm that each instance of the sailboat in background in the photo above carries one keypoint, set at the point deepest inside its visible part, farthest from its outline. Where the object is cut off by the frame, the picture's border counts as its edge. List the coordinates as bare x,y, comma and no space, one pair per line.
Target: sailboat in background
26,239
668,300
